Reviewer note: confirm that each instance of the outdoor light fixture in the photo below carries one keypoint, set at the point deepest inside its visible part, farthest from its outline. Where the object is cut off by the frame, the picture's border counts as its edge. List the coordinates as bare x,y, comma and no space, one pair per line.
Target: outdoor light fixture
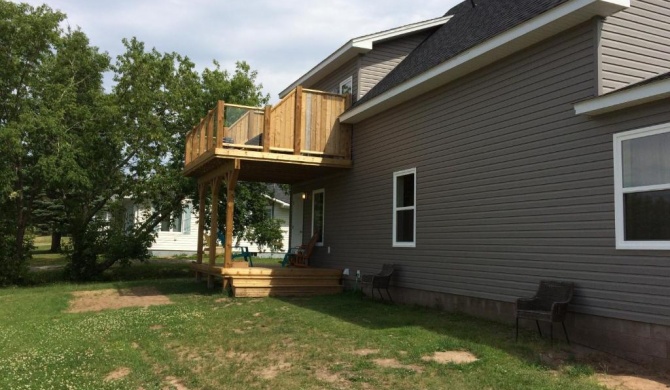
303,196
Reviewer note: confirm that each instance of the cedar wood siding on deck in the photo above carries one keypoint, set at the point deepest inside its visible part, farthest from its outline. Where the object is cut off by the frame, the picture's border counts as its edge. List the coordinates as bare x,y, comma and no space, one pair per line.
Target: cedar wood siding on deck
635,44
512,187
383,58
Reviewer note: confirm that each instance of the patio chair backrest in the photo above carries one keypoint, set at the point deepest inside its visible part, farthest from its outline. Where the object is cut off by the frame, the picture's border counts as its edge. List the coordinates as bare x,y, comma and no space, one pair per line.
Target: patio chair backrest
307,249
555,291
387,270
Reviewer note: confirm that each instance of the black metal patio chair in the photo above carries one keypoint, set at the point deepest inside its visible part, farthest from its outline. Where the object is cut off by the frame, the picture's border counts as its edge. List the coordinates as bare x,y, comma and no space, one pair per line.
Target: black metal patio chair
379,281
550,304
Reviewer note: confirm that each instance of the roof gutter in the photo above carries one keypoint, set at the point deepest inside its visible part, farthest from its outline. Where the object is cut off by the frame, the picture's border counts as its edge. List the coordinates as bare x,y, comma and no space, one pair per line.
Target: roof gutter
541,27
629,97
358,46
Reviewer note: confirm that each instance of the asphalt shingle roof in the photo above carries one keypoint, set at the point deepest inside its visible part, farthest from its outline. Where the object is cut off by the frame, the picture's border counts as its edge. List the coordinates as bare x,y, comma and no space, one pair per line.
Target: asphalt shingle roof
468,27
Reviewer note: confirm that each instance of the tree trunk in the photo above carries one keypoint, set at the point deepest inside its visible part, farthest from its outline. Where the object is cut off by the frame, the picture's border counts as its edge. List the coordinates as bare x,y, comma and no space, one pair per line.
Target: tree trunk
56,237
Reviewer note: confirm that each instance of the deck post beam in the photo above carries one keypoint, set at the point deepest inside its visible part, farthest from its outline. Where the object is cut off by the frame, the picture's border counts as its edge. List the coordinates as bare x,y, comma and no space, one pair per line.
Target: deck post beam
267,131
213,229
217,138
231,183
297,129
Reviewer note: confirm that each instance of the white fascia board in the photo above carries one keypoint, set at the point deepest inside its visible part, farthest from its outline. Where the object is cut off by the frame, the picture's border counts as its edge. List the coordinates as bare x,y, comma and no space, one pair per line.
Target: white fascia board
358,46
543,26
630,97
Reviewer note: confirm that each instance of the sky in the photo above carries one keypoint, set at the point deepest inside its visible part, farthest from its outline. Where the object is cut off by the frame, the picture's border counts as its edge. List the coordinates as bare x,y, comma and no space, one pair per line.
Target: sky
282,40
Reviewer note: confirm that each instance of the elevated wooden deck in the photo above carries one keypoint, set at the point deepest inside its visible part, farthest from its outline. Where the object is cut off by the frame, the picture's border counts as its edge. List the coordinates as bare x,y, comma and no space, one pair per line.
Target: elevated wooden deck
271,281
297,139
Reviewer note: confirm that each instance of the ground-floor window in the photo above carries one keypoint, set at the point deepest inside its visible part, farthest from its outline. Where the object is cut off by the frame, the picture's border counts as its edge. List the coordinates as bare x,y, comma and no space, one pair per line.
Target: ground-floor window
318,214
404,208
642,188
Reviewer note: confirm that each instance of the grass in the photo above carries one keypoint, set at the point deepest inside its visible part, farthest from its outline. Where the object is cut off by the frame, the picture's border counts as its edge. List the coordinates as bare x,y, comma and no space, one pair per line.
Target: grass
206,340
41,255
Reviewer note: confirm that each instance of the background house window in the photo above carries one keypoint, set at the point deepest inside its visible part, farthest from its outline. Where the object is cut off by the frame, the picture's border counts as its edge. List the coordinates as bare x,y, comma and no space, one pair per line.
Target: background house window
347,86
642,188
404,208
318,213
175,226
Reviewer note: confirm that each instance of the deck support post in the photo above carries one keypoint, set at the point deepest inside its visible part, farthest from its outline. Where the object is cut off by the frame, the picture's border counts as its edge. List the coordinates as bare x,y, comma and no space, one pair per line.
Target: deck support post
201,226
231,183
297,129
214,226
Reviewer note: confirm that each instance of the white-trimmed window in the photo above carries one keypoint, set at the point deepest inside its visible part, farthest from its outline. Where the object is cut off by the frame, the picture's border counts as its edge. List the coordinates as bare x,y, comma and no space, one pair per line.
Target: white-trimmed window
181,222
318,214
404,208
642,188
347,86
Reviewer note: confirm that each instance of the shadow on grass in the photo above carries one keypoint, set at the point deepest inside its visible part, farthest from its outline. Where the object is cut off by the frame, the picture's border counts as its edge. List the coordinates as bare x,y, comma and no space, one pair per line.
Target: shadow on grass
464,332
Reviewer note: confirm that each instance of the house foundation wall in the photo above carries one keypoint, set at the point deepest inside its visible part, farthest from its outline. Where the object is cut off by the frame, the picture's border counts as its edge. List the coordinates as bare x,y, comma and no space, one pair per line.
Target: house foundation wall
639,342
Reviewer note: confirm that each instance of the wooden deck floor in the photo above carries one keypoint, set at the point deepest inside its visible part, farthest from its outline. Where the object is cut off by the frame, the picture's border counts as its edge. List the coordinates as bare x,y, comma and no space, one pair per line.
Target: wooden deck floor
275,281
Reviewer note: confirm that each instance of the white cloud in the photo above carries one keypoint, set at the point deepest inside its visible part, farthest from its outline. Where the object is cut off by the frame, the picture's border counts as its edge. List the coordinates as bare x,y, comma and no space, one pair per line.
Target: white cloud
280,39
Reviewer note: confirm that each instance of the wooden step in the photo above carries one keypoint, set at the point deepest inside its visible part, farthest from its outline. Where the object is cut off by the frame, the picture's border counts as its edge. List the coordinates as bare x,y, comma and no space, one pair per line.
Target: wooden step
285,291
283,281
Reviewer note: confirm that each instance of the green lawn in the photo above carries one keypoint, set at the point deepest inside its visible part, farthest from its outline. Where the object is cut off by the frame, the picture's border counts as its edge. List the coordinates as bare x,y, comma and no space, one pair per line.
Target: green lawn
206,340
41,255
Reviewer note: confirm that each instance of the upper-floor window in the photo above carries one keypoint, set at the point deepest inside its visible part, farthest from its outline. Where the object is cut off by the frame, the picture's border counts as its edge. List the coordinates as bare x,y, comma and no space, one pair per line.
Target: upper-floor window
642,188
404,208
347,86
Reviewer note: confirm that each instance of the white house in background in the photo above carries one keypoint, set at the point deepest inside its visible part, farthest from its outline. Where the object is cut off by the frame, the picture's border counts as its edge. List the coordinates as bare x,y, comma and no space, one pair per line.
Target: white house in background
180,236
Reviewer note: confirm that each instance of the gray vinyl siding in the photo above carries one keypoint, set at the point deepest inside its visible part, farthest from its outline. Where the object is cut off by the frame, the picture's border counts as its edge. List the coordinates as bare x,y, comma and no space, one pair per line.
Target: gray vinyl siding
331,83
635,44
512,187
385,56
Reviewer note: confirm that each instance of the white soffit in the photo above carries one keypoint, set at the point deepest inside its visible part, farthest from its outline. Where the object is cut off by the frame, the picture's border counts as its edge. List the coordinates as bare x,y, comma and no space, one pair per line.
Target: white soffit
360,45
543,26
629,97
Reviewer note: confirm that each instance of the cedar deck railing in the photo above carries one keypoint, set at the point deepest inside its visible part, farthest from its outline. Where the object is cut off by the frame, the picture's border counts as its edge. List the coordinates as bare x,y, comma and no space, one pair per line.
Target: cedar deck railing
305,122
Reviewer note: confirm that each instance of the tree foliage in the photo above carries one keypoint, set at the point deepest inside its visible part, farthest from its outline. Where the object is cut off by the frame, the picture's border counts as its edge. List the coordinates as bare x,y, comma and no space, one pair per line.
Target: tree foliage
76,153
28,40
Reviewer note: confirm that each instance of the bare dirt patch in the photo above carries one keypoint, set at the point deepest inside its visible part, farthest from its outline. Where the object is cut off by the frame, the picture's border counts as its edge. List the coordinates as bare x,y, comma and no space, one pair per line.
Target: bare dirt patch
612,372
97,300
628,382
174,383
117,374
365,352
455,357
271,372
332,378
393,363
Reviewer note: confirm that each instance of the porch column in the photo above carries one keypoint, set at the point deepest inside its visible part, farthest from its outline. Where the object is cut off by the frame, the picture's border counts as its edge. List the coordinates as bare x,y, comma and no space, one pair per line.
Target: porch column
231,183
213,229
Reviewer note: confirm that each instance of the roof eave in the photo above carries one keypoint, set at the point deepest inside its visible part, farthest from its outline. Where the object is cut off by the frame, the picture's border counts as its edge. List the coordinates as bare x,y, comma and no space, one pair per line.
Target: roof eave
541,27
626,98
358,46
